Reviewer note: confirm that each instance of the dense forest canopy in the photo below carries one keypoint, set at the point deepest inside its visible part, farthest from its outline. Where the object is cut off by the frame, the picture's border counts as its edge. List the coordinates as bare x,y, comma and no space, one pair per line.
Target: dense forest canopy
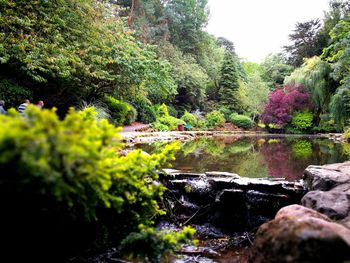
145,53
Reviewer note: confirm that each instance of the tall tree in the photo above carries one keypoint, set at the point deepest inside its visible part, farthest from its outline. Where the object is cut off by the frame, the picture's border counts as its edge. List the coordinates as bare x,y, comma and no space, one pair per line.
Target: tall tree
229,84
186,20
338,54
274,69
306,42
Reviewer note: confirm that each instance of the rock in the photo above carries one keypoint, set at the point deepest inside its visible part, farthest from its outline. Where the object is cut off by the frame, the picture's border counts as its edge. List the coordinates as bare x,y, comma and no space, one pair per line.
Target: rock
326,177
298,211
221,174
334,204
227,201
295,236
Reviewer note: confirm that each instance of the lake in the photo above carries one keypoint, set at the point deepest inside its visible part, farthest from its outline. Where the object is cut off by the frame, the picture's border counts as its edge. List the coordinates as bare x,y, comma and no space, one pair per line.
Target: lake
256,156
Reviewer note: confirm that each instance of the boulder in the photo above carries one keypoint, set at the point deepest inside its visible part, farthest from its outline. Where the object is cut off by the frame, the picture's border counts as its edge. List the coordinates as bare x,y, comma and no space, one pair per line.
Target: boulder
334,204
326,177
298,234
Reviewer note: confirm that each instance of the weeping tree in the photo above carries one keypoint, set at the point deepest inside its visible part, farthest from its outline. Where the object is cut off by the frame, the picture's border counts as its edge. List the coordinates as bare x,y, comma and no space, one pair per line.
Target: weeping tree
338,54
314,75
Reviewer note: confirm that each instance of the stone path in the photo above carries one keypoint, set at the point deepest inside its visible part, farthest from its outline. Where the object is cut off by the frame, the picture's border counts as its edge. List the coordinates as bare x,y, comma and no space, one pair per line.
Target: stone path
134,127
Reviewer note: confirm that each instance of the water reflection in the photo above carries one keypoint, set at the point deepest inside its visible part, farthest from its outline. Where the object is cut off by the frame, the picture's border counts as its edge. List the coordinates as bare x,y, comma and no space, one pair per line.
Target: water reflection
257,156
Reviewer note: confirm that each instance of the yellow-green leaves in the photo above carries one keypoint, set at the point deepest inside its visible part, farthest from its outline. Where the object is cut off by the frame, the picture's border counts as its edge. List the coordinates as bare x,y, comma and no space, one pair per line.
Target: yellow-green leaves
76,162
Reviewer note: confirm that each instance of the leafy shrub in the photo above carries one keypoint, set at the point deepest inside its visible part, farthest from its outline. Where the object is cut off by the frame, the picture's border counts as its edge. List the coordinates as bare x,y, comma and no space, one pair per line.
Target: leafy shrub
302,149
12,94
159,126
121,112
64,174
241,121
165,119
172,111
326,125
302,121
152,244
214,119
347,133
100,109
145,111
131,115
226,111
189,118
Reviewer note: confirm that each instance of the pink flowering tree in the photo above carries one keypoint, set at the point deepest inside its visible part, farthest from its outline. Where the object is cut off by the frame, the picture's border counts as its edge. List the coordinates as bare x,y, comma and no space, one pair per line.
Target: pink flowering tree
283,102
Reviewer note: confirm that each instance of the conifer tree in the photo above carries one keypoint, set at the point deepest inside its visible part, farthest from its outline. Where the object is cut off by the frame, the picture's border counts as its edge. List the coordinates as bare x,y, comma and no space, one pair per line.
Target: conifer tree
229,83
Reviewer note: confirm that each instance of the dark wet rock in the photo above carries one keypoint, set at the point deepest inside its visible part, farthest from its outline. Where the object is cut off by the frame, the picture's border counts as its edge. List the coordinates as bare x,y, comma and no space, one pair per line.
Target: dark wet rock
300,235
326,177
229,202
334,204
223,174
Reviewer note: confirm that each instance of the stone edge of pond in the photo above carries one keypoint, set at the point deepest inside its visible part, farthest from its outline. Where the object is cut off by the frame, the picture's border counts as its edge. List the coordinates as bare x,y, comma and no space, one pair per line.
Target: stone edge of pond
318,230
131,138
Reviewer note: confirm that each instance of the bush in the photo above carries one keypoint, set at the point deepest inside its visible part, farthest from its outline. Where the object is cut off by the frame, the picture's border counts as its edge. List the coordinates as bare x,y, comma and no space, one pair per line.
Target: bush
58,176
214,119
172,111
152,244
302,121
131,115
121,112
241,121
12,94
347,133
226,111
165,119
189,118
159,126
145,111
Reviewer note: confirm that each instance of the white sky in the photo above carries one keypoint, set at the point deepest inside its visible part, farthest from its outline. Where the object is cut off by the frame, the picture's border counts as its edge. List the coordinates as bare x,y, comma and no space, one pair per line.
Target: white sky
260,27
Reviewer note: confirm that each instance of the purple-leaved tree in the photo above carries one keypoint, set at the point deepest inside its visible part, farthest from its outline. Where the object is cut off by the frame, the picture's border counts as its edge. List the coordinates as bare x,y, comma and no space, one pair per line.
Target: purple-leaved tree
283,102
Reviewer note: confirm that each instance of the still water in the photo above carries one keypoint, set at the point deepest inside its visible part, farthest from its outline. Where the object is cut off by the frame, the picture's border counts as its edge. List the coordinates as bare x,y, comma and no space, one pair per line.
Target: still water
279,157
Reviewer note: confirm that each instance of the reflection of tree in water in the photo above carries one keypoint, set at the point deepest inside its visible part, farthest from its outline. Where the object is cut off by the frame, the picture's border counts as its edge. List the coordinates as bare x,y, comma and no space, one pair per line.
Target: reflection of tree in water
278,156
255,157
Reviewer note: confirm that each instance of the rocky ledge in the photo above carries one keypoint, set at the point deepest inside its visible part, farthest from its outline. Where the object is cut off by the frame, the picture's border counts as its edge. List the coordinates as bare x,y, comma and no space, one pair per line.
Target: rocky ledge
317,231
227,201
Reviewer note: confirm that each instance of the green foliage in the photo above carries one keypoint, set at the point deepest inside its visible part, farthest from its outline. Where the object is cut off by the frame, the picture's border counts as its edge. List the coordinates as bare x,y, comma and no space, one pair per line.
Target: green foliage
186,19
121,112
172,111
153,245
229,83
226,111
347,133
214,119
71,171
89,160
241,121
306,42
189,118
145,111
99,110
314,75
165,122
302,121
190,77
274,70
159,126
12,94
302,149
77,47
